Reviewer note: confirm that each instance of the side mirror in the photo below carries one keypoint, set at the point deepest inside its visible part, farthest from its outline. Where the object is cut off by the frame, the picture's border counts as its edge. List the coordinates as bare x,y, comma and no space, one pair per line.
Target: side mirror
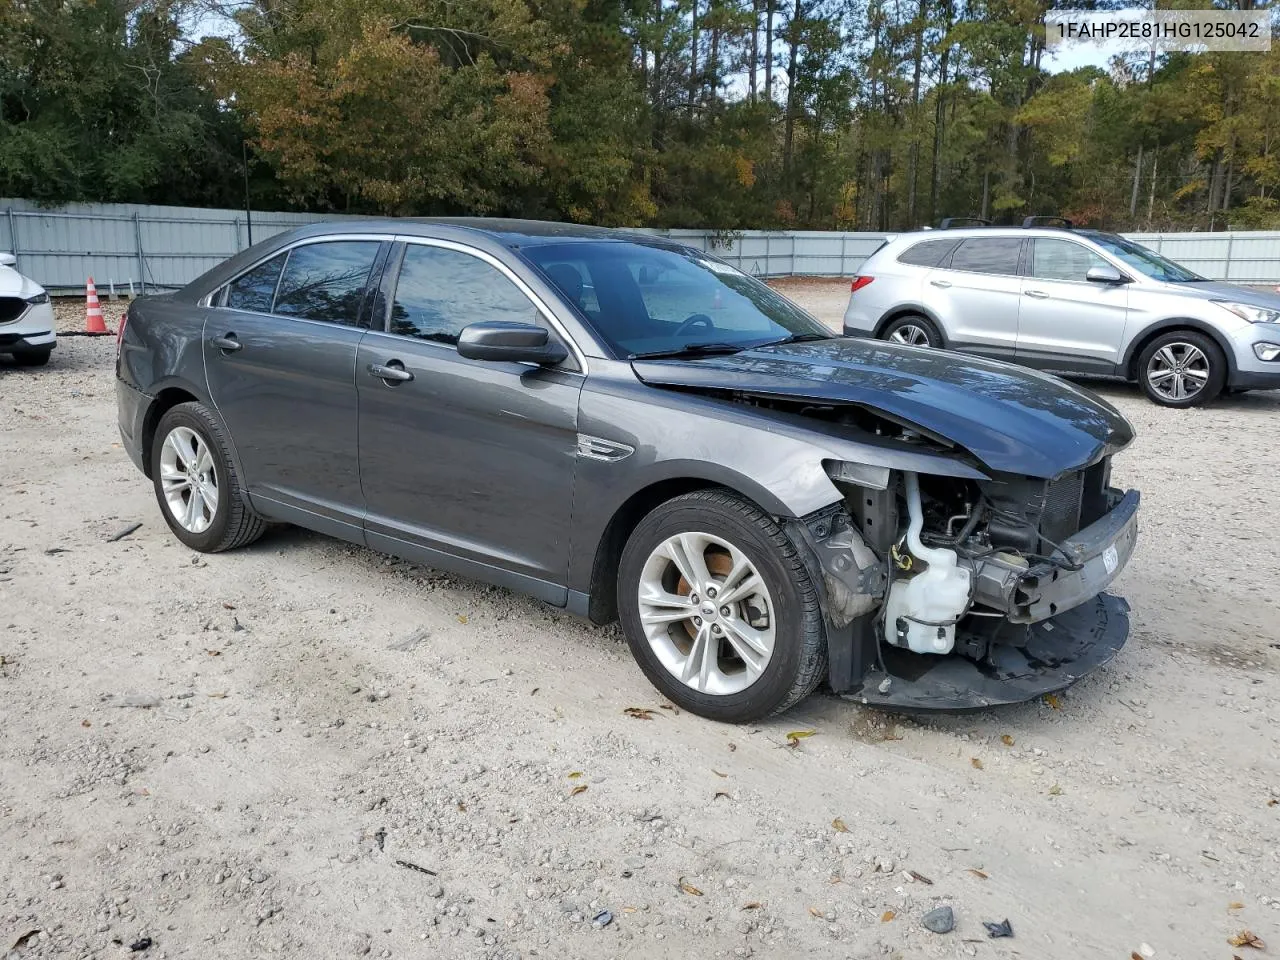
8,260
1105,274
512,342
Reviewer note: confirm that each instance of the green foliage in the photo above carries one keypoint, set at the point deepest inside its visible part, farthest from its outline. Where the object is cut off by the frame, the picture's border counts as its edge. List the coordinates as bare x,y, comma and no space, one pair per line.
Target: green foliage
646,112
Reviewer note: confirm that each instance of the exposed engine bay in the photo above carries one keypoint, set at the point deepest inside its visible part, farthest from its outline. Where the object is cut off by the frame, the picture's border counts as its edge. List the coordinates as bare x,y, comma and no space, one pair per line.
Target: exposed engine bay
946,569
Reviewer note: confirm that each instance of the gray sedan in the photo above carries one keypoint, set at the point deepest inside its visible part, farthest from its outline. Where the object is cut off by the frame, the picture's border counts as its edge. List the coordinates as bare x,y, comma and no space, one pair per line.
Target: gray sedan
632,429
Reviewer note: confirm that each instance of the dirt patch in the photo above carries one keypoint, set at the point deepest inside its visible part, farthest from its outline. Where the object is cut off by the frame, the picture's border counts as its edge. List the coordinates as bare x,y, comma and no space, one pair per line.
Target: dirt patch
233,755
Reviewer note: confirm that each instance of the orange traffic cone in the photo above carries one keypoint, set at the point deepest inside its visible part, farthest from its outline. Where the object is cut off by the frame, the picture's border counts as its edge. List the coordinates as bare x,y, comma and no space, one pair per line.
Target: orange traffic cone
93,322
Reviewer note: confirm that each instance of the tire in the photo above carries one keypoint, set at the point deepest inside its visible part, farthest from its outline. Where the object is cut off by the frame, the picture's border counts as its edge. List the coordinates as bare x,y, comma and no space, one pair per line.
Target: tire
715,523
913,330
1171,364
32,358
231,523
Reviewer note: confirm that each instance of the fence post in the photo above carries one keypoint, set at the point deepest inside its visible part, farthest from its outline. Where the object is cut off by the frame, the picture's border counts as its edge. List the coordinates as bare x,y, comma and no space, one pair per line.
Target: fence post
1226,269
142,263
236,221
13,239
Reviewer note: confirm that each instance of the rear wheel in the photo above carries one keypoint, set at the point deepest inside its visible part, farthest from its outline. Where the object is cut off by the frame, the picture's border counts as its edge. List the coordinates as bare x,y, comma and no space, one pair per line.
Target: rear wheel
32,358
914,330
196,483
1182,369
719,610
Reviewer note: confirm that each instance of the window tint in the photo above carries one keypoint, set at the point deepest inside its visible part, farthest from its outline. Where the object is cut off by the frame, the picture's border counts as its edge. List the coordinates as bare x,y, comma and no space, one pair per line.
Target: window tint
927,254
254,290
326,281
441,291
1062,260
982,255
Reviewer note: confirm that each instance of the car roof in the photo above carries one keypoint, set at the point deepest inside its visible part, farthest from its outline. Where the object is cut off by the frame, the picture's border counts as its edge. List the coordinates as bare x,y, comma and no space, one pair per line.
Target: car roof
961,233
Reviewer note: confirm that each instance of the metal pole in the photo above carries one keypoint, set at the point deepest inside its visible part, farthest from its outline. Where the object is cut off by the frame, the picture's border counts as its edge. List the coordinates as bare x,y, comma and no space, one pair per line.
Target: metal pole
239,247
248,215
1226,272
142,264
13,239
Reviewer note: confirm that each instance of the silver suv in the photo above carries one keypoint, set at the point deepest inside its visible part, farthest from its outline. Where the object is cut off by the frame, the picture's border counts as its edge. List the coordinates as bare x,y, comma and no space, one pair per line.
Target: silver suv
1072,301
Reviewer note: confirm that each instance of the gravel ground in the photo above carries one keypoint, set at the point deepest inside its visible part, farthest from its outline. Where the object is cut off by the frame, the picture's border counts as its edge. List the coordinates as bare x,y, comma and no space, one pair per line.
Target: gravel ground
240,755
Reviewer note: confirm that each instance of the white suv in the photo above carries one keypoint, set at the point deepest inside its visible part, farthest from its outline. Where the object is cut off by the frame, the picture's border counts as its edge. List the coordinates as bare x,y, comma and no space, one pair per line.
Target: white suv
1078,302
26,317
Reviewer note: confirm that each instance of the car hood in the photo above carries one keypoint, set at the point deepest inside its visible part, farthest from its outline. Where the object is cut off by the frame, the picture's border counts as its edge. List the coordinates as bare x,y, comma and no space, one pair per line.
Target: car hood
1218,290
14,284
1012,419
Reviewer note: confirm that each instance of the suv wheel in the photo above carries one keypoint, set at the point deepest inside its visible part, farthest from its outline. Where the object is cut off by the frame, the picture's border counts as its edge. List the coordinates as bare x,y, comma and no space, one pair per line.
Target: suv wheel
1182,369
913,330
33,358
196,483
719,610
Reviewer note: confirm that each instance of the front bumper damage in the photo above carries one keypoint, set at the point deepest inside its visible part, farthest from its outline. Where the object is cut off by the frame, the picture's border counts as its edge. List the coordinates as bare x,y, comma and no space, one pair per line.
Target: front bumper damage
1057,624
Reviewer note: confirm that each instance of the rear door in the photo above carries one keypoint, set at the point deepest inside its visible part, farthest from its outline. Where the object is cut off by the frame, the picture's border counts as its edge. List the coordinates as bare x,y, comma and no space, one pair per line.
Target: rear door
1066,322
975,295
469,459
280,356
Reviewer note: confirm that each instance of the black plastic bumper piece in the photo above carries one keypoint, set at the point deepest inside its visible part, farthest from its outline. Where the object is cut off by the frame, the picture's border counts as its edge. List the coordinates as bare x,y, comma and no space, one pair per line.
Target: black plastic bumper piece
1025,662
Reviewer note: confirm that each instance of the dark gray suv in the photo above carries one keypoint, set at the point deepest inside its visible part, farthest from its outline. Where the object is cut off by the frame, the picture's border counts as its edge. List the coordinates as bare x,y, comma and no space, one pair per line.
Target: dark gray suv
632,429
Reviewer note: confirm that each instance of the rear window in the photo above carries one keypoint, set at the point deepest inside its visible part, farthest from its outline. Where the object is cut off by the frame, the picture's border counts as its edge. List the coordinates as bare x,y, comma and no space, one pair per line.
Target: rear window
326,281
930,253
988,255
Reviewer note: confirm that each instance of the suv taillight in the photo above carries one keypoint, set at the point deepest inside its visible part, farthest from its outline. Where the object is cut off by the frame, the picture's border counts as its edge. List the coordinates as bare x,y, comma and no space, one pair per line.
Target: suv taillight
859,282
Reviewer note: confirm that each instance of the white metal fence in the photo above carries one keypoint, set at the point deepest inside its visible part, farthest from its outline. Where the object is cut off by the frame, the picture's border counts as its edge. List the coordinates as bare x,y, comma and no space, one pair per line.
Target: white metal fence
159,247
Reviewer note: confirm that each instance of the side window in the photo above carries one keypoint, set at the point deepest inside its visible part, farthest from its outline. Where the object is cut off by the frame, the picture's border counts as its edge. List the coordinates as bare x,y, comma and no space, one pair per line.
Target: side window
254,290
440,291
1062,260
326,281
983,255
930,253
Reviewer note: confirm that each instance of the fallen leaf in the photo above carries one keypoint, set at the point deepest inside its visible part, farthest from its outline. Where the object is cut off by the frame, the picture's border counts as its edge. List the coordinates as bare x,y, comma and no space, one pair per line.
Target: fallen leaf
85,723
979,874
228,606
640,713
629,909
1246,938
534,690
462,807
689,888
718,773
815,912
887,916
218,696
835,879
1055,791
1235,905
839,825
977,764
1135,955
1272,802
921,877
670,706
462,618
214,653
575,775
580,788
1007,740
795,736
752,905
721,793
1053,700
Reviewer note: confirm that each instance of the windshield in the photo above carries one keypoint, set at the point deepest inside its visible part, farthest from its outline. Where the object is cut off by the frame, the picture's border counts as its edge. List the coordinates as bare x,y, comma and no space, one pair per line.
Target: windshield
646,300
1145,261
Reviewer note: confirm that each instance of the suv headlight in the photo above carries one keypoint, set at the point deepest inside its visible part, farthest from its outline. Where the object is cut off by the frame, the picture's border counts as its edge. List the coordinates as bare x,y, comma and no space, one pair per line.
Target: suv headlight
40,297
1247,311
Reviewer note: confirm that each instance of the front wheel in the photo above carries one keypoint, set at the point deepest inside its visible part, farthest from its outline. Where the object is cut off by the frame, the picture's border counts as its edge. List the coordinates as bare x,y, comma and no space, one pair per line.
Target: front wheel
912,330
33,358
719,610
1182,369
196,483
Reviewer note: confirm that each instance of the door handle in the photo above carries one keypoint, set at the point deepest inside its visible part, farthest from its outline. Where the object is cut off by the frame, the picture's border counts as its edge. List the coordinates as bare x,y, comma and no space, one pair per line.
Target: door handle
227,344
944,284
391,372
1038,294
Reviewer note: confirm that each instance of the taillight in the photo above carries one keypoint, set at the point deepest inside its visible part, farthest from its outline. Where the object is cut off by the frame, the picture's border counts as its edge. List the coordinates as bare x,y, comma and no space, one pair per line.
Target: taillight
859,282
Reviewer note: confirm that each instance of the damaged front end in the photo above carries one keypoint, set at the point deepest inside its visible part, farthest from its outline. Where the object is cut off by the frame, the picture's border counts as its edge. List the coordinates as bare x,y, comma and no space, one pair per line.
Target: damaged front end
951,593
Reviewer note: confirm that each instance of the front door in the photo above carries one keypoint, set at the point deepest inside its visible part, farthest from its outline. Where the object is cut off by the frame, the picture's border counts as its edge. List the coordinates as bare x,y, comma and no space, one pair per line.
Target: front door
1067,322
280,356
465,463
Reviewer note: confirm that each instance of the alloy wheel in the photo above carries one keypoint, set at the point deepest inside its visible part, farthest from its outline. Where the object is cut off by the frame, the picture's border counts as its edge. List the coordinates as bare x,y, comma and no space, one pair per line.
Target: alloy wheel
910,334
1178,371
707,613
188,480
